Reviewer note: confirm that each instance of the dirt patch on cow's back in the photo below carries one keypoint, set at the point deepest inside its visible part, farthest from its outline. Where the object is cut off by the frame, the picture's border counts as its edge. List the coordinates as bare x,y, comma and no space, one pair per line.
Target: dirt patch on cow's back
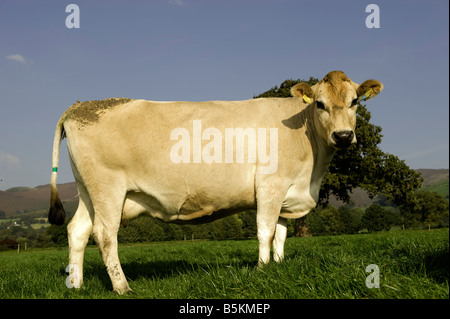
89,112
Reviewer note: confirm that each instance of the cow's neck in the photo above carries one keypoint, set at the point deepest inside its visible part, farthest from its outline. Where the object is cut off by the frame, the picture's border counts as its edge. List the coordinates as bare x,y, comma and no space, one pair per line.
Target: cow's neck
322,160
322,156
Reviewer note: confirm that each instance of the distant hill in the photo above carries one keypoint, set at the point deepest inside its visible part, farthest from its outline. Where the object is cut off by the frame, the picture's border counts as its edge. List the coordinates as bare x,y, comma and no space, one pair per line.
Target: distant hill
359,198
19,200
26,199
433,176
436,180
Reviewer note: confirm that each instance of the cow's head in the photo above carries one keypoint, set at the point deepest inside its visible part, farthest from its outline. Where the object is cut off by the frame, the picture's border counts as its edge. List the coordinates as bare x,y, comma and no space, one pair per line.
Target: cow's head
334,100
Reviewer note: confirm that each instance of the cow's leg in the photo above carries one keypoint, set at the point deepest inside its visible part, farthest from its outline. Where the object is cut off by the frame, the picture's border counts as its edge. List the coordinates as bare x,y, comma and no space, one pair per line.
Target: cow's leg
268,212
78,231
106,225
280,238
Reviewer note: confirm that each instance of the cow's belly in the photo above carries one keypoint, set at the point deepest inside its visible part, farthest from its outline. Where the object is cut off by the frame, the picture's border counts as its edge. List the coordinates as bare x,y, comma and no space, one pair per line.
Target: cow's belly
186,208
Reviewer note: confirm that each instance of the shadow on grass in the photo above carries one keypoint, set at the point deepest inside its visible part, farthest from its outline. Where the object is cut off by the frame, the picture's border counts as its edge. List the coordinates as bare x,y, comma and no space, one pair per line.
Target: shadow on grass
437,265
431,264
135,270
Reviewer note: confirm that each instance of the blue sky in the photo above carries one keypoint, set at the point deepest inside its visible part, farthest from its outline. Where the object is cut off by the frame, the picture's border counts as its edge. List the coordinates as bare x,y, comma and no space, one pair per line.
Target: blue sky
202,50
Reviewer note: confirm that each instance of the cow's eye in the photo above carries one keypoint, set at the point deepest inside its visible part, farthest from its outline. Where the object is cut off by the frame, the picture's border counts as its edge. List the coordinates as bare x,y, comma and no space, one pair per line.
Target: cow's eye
354,102
320,105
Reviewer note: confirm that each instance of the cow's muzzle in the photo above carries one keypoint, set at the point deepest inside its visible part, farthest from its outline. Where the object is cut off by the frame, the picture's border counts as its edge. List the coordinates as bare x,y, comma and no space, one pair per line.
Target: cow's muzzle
343,139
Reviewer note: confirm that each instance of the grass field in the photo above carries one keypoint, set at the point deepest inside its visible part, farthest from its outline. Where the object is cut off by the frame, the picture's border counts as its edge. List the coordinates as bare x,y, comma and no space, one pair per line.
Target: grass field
412,264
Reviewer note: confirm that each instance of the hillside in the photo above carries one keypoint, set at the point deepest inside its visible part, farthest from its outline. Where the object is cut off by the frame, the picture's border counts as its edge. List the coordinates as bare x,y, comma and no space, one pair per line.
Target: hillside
26,199
433,176
436,181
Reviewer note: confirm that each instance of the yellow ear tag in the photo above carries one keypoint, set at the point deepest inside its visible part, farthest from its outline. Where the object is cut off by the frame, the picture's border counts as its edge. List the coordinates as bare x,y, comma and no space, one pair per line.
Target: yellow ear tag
366,95
306,98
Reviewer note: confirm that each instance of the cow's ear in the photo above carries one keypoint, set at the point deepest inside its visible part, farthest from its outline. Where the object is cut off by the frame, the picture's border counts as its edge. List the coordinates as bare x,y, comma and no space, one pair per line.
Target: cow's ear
303,91
369,89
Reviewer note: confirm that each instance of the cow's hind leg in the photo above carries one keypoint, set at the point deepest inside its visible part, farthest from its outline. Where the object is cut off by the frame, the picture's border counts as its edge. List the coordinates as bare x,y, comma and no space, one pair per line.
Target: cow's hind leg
78,230
106,225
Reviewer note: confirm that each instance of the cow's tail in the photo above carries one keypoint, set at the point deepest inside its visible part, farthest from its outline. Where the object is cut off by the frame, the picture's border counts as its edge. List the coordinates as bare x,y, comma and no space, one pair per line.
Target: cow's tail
56,213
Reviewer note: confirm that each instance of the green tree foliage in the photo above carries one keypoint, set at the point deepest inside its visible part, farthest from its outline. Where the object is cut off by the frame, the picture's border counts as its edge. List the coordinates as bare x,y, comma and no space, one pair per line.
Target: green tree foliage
227,228
429,208
351,217
248,219
377,218
142,229
332,222
147,229
58,234
285,88
329,220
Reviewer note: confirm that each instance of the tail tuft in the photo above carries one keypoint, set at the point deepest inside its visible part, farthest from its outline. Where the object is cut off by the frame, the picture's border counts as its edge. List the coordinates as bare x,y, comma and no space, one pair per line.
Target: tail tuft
56,213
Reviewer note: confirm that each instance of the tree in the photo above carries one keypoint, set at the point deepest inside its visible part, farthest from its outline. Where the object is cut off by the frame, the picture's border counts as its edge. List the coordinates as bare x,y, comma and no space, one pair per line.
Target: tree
58,234
333,224
312,223
363,164
141,229
329,220
430,209
351,217
227,228
248,219
376,218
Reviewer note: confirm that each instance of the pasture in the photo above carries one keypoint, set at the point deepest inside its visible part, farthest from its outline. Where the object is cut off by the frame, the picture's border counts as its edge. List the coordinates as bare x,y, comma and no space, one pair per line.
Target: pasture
412,264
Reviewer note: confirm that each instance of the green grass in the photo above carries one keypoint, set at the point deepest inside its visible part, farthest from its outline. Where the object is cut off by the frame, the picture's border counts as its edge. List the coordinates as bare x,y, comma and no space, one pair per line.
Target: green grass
413,264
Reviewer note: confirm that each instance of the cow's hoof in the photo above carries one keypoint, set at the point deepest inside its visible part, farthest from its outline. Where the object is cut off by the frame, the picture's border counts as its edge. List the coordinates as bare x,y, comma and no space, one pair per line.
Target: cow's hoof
127,291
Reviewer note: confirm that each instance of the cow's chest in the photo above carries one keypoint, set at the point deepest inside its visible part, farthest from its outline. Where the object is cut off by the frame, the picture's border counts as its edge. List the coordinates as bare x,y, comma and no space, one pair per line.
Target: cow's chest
300,199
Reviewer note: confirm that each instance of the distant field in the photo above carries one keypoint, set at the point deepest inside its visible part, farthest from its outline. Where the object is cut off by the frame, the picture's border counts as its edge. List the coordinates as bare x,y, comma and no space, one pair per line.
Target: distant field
412,264
441,187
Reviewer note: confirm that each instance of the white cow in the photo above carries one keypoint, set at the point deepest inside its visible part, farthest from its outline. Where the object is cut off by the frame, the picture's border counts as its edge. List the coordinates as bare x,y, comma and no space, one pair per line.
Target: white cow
179,161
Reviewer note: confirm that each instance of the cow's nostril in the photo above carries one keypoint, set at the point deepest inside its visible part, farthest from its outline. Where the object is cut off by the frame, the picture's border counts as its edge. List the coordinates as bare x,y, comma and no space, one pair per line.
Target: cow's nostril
343,137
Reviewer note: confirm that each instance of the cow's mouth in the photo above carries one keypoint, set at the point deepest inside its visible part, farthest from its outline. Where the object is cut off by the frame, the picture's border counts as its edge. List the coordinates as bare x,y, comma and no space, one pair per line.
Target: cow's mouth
342,146
342,139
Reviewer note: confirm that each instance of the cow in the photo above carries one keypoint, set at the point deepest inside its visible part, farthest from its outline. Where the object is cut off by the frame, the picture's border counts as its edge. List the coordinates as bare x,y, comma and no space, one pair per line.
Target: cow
167,160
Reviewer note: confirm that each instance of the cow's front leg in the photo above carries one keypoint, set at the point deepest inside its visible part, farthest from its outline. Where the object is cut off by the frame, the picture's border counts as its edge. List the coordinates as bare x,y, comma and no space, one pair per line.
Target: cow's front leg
279,240
267,216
